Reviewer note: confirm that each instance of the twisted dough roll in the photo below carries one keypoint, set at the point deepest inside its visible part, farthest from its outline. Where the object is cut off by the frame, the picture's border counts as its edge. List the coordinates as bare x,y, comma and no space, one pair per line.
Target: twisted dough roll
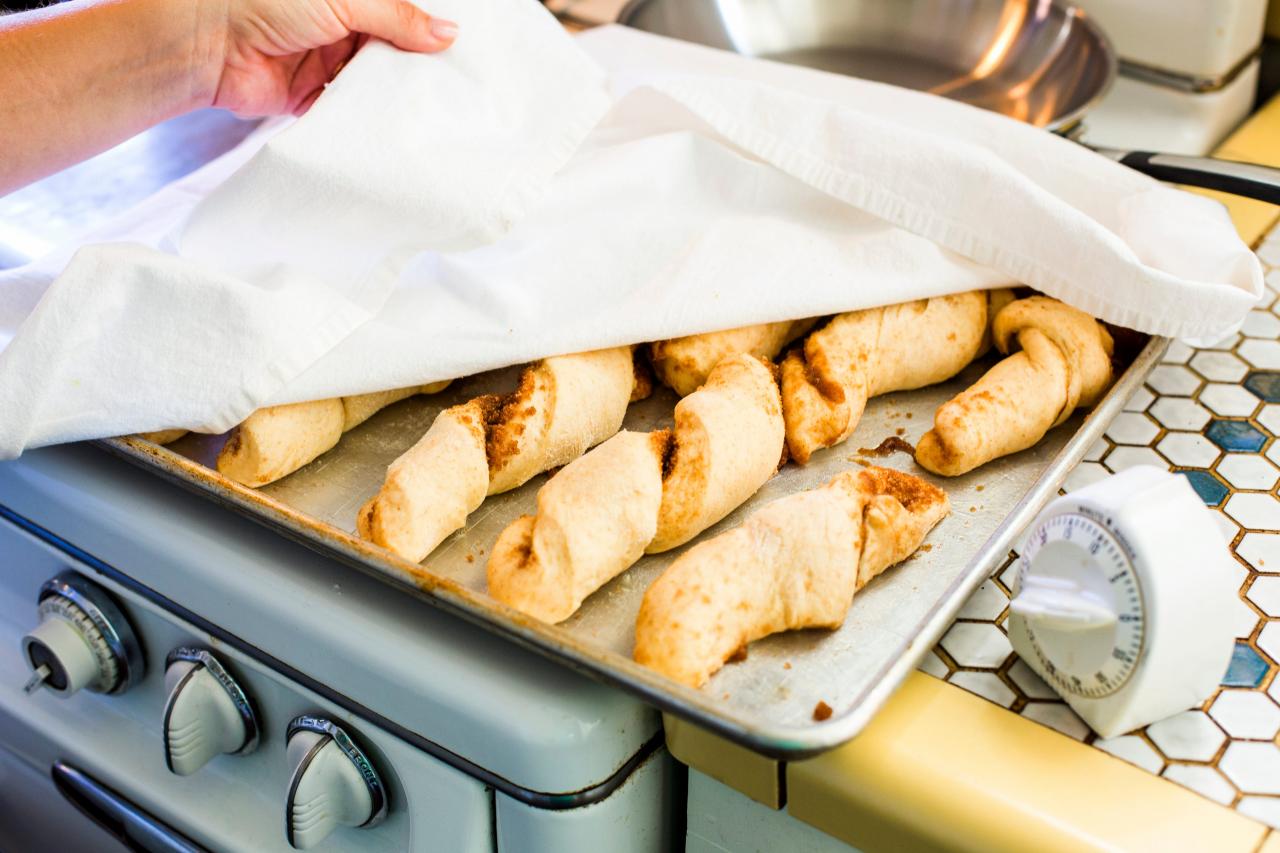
1064,363
164,436
796,563
278,440
642,493
683,364
563,406
858,355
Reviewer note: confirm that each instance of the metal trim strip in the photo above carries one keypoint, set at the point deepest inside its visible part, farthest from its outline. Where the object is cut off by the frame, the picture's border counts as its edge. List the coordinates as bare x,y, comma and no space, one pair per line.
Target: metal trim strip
536,799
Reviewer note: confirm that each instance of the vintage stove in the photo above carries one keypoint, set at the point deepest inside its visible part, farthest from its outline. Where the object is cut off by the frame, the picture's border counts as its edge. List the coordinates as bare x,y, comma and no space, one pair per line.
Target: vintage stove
243,693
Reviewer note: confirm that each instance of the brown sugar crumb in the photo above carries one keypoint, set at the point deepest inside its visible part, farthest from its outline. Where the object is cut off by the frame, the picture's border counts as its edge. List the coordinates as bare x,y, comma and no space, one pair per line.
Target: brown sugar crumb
504,418
910,416
925,547
892,444
979,487
821,711
471,558
973,509
900,431
739,655
786,665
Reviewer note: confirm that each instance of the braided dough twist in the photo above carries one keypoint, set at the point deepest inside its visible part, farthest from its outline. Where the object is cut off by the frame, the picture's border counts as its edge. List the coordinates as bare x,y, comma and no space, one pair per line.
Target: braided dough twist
563,406
164,436
795,563
860,354
1064,363
278,440
642,493
683,364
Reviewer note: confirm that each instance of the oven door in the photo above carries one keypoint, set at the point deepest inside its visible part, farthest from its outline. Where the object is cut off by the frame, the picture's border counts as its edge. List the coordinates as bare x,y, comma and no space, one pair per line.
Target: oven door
44,808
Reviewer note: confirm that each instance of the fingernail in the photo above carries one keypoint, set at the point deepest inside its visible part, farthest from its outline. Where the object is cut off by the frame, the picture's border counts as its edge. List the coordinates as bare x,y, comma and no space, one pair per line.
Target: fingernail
444,30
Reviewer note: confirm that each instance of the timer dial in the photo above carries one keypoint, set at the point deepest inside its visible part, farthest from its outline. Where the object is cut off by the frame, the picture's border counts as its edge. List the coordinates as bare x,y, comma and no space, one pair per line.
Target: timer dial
1081,602
82,641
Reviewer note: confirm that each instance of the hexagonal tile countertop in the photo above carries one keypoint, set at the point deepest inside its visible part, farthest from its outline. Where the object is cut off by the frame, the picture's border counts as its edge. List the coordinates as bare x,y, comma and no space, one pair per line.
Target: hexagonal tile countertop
1213,415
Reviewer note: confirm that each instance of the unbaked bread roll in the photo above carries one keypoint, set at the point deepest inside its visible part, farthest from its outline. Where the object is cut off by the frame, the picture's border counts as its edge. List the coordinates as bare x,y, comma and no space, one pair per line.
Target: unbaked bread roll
278,440
1064,363
642,493
562,406
858,355
796,563
164,436
683,364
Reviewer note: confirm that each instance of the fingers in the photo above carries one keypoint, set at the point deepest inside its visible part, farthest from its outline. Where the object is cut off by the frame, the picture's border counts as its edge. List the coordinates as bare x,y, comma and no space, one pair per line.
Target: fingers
401,23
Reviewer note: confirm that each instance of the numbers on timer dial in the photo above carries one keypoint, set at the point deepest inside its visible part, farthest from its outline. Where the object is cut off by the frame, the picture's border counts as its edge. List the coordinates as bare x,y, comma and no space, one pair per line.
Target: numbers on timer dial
1099,661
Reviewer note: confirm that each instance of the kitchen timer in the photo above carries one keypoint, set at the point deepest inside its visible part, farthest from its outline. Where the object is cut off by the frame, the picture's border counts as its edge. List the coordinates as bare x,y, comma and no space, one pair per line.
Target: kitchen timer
1123,600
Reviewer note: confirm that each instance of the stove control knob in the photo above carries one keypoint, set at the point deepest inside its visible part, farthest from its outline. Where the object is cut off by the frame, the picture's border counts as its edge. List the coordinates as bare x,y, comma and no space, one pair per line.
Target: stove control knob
332,783
82,641
206,713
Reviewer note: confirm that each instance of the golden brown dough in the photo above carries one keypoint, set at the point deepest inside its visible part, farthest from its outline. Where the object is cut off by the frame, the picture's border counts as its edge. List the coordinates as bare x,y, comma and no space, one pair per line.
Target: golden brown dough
858,355
562,406
642,493
278,440
1064,363
356,410
164,436
683,364
795,563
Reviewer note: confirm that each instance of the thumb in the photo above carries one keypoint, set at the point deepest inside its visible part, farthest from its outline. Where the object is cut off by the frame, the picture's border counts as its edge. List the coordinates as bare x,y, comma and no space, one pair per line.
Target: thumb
401,23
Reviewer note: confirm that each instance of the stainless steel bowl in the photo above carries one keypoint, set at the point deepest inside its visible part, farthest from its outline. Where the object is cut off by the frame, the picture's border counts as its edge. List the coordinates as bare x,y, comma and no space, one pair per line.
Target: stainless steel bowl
1036,60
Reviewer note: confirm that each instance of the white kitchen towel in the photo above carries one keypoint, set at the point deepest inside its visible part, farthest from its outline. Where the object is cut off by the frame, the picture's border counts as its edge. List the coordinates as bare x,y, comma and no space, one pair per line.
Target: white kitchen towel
718,191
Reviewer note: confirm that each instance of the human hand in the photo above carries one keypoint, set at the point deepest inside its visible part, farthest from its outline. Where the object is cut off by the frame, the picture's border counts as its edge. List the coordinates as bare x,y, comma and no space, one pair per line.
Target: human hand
277,55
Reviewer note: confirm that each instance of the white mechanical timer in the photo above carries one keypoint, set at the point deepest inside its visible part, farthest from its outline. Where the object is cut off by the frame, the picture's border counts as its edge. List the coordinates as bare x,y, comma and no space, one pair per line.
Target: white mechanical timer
1124,599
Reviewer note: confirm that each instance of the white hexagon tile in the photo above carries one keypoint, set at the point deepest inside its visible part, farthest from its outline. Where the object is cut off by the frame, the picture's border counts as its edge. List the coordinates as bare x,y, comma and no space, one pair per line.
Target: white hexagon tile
1212,414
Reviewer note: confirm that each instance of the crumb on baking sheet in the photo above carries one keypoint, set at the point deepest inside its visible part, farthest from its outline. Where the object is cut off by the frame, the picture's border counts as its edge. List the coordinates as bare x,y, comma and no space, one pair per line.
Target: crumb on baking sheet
926,547
892,444
471,558
821,711
786,665
979,487
973,509
900,431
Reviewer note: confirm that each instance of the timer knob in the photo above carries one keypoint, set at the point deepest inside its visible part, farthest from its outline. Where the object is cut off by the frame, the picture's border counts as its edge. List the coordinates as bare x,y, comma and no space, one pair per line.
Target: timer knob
332,783
206,713
82,641
1123,600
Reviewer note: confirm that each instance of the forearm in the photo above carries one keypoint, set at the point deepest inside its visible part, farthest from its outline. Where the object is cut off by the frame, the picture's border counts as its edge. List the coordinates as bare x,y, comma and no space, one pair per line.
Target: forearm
79,78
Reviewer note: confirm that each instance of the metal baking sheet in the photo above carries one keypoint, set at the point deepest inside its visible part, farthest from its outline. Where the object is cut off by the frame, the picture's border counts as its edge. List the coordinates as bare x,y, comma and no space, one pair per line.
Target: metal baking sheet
765,702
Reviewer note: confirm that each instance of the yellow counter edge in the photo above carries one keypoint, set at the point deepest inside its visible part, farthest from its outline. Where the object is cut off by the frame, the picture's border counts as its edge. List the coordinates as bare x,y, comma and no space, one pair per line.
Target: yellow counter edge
941,769
908,783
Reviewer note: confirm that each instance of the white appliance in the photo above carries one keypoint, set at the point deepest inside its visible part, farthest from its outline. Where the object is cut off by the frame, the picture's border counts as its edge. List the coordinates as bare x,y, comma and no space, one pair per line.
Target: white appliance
1188,72
228,671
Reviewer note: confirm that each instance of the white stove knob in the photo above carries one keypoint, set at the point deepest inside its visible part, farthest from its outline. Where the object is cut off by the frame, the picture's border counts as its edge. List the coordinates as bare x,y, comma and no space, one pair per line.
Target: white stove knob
332,783
206,713
82,641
